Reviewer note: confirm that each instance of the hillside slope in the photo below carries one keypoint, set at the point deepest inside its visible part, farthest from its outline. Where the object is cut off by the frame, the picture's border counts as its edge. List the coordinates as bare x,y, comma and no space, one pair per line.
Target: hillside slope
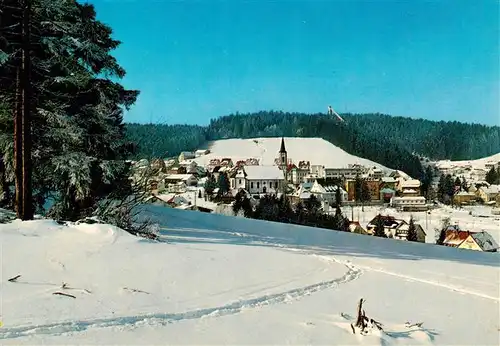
316,150
228,280
435,139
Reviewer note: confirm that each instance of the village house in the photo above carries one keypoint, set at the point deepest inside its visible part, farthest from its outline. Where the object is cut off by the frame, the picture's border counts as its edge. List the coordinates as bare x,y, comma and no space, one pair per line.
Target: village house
201,152
158,165
388,183
401,232
310,178
478,174
227,162
297,174
375,173
302,193
156,185
355,227
351,190
190,166
263,179
187,179
251,162
326,194
176,170
488,194
186,155
390,224
170,201
464,197
373,189
317,170
386,194
345,173
409,203
410,188
479,241
237,179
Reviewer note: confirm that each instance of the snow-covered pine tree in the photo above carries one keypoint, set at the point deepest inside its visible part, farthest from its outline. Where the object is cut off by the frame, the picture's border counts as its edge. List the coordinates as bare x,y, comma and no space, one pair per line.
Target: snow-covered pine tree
379,227
412,231
79,147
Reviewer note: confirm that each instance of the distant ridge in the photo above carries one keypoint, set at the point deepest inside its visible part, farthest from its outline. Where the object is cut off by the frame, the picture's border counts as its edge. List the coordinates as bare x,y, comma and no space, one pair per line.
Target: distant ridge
390,141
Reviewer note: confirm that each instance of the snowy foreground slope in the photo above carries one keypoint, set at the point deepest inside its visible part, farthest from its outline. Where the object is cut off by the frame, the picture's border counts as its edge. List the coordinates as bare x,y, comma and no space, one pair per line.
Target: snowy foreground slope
316,150
226,280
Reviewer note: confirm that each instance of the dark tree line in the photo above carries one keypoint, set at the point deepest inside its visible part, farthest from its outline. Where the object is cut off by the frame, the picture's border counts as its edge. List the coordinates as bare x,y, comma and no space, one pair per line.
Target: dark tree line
307,213
435,139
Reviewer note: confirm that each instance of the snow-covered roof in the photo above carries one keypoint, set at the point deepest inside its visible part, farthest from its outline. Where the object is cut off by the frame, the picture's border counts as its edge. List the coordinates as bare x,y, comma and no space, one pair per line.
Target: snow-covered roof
492,189
485,241
409,198
187,162
410,191
179,176
412,183
263,173
464,193
305,195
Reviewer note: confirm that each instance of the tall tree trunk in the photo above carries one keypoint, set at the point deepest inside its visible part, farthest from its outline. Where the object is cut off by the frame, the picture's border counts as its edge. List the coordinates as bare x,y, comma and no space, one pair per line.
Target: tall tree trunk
18,166
27,200
4,185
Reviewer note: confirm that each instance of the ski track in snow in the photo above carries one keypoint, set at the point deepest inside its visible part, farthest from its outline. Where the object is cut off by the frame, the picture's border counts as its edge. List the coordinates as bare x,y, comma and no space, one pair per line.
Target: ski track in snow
58,328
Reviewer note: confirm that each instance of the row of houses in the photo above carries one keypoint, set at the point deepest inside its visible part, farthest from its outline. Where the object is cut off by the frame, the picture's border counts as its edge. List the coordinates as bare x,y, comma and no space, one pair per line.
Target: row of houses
453,236
296,180
488,194
469,170
393,228
463,239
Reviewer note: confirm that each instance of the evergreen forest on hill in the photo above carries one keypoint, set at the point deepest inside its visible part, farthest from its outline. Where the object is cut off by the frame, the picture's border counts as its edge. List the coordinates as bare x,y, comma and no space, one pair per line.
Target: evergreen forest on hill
391,141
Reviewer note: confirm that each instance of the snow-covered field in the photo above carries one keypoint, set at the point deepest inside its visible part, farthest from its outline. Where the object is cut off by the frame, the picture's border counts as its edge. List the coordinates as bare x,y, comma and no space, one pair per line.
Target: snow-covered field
316,150
227,280
472,218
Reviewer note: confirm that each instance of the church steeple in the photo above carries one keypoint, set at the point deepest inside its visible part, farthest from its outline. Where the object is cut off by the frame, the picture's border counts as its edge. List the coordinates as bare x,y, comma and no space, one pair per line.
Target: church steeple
283,160
282,149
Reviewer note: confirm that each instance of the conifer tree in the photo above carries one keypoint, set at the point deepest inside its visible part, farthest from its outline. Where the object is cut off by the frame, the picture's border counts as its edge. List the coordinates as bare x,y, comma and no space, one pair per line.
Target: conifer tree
412,231
79,143
365,192
380,227
493,177
223,183
338,196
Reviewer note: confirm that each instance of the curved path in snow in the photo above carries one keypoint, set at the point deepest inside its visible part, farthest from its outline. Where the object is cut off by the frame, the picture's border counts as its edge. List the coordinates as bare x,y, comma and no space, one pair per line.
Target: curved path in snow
165,318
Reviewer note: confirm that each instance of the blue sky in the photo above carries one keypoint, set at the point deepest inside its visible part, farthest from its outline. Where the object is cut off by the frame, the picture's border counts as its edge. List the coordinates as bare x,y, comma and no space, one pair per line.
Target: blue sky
196,60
